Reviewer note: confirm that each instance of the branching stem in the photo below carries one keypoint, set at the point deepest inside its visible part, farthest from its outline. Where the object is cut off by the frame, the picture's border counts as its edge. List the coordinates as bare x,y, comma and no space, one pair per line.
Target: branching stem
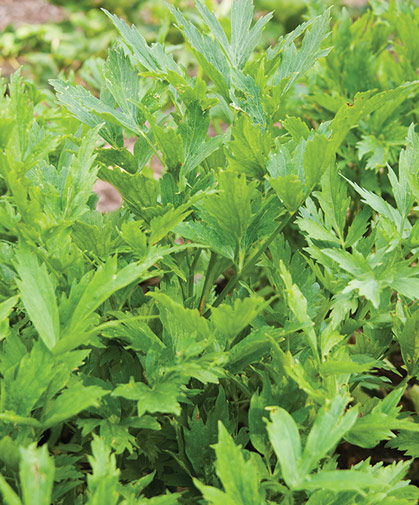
251,263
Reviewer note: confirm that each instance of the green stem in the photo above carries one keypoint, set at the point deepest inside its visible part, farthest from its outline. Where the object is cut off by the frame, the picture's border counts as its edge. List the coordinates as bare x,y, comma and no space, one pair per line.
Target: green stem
182,288
208,281
152,146
251,263
192,273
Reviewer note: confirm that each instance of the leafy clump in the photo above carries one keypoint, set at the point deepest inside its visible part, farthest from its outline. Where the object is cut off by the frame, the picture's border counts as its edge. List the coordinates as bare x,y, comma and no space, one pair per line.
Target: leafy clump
245,317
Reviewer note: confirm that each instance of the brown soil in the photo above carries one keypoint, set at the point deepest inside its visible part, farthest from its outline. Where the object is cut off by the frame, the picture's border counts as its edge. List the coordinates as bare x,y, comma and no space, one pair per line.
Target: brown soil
19,12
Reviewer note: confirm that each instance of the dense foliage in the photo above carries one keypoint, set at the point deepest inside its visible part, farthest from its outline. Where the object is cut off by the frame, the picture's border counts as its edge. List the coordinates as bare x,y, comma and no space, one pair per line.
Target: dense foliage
248,318
83,36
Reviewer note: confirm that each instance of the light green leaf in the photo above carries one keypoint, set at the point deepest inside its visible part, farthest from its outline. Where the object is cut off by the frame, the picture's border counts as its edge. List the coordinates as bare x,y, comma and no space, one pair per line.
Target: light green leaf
154,58
162,397
207,51
102,484
37,291
408,338
249,148
80,178
370,430
232,206
350,114
290,191
343,480
214,25
368,287
358,227
217,239
160,226
314,159
331,424
377,148
239,477
409,161
93,112
123,81
246,96
230,320
105,281
9,496
189,320
296,127
70,402
285,440
244,39
296,63
24,383
298,305
6,307
36,471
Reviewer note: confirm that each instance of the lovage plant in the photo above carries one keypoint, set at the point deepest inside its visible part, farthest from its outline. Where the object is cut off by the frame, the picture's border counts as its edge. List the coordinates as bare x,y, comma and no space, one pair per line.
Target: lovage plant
249,317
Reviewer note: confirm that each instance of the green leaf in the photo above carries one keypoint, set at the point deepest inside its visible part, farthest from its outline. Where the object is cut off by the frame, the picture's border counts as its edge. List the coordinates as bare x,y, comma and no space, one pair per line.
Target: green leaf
162,397
298,305
358,227
193,131
80,178
331,424
153,58
314,159
408,170
138,191
244,39
350,114
6,308
250,148
102,484
232,206
38,296
170,144
296,127
239,477
408,338
160,226
409,161
369,288
377,148
285,440
122,80
290,191
96,289
370,430
407,442
94,112
9,496
246,96
189,320
36,472
70,402
230,320
120,157
214,25
343,480
296,63
24,383
208,53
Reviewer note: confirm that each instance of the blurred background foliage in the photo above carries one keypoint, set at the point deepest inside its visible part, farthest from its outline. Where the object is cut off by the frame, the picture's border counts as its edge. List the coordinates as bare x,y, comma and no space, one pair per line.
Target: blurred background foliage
49,49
